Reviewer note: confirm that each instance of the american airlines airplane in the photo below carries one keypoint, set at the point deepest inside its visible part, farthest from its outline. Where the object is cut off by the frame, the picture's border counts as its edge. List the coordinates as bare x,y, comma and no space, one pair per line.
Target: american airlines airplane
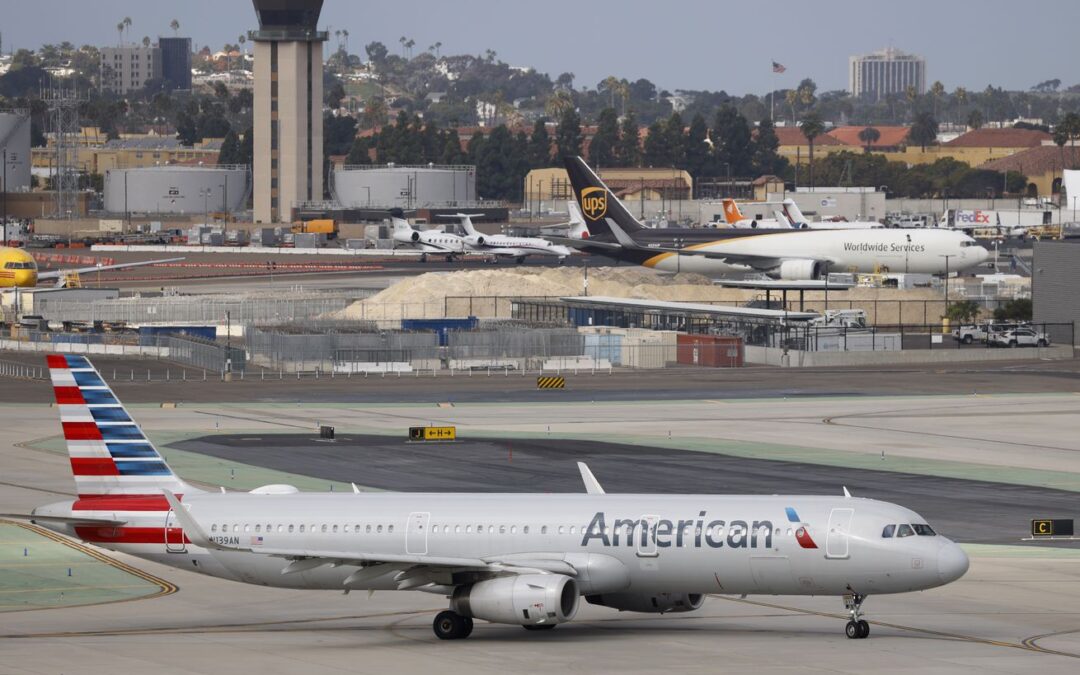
517,559
427,241
507,247
784,254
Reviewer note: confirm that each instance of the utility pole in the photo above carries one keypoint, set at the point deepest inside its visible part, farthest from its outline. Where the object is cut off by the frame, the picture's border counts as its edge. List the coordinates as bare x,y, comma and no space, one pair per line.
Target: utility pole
947,256
5,198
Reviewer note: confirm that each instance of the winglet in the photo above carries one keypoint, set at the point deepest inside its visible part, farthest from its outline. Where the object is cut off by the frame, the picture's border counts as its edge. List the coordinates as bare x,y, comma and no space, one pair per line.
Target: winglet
191,528
592,486
846,493
355,489
625,240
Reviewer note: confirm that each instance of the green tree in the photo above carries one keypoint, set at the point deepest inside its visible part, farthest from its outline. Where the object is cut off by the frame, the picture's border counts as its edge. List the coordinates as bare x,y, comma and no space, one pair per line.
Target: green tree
697,154
539,151
628,152
1019,309
924,130
975,119
766,159
675,131
812,127
186,130
657,152
963,311
230,149
568,134
733,147
602,147
869,136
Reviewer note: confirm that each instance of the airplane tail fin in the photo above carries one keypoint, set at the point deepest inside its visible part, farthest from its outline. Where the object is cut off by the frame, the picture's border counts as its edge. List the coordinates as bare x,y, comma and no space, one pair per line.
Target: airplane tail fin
598,204
397,219
731,212
791,210
578,230
110,454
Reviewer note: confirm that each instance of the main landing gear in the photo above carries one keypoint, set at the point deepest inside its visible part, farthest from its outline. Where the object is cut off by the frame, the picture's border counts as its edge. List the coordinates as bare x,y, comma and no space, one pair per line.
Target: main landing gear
857,628
452,626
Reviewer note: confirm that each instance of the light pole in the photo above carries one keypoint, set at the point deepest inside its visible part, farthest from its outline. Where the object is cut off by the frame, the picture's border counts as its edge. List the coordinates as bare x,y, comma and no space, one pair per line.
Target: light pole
947,256
678,255
5,198
224,205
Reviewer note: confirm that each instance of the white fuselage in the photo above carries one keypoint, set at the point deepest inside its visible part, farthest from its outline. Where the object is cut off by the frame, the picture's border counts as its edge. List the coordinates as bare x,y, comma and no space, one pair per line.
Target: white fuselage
515,247
867,251
634,543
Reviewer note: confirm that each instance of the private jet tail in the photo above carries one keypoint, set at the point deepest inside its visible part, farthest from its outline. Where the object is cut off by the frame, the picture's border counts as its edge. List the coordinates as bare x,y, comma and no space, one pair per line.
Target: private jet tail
598,205
110,454
794,215
465,219
578,229
732,214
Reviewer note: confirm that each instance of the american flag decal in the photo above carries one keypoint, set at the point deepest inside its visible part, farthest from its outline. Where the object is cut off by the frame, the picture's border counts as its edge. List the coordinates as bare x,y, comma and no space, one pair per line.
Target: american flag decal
256,541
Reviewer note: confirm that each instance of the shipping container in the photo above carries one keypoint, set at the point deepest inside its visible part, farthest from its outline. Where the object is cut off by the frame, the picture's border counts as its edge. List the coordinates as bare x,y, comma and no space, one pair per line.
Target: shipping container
713,351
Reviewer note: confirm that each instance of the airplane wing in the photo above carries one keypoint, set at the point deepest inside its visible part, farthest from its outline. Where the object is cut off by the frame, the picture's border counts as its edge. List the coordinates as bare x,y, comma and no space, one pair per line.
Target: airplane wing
65,520
583,243
59,274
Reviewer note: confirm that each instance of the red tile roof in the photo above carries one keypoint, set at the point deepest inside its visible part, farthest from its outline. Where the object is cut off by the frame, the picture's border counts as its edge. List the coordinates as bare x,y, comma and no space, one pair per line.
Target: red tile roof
891,136
1033,161
1000,138
794,136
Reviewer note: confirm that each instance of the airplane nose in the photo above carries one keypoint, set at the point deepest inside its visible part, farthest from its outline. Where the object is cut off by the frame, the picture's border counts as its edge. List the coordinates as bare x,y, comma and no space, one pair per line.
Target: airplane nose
983,253
952,562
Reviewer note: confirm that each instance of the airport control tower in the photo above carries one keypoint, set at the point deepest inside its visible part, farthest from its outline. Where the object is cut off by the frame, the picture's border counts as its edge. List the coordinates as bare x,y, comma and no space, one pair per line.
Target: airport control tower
288,144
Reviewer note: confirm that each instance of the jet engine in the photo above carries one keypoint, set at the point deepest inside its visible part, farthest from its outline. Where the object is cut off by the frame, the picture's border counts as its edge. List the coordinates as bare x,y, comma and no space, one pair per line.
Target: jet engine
660,603
475,240
527,599
799,270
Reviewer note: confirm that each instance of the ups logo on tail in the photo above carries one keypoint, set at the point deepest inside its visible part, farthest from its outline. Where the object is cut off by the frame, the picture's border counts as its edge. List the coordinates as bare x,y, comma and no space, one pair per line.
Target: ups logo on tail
594,202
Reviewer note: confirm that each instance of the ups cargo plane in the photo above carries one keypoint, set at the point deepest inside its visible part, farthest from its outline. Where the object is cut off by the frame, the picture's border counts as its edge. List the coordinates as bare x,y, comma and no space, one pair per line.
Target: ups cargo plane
518,559
785,254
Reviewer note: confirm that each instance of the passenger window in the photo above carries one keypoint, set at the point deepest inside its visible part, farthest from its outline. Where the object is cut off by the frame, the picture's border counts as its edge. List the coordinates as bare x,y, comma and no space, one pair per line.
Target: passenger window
502,529
235,527
290,529
468,529
562,529
457,529
924,530
324,528
378,529
357,530
270,527
573,530
543,529
368,529
390,529
525,530
301,529
258,528
888,532
335,529
513,529
904,531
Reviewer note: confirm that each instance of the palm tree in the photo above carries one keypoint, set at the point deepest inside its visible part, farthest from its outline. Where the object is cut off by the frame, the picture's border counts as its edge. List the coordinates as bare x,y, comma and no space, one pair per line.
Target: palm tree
869,136
127,26
241,39
558,103
409,45
146,41
175,25
120,34
791,98
438,47
345,35
937,90
611,83
812,127
402,40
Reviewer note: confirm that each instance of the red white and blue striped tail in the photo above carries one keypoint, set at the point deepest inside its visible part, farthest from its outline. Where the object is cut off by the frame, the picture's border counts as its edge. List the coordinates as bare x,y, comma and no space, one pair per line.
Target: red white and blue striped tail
110,455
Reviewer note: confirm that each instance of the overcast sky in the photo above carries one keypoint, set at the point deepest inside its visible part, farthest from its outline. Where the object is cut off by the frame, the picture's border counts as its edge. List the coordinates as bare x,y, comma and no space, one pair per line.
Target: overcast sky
682,44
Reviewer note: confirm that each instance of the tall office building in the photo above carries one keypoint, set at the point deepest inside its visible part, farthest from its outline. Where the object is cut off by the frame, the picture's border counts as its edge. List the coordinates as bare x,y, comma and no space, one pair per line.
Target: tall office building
886,72
176,62
125,69
288,147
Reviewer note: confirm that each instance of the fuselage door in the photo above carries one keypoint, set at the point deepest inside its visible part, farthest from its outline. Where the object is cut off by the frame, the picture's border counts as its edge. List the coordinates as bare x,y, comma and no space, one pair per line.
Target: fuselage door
416,538
836,542
645,537
174,535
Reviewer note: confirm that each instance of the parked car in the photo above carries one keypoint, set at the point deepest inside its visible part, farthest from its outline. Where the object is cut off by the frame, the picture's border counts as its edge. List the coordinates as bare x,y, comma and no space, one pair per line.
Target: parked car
1019,337
970,332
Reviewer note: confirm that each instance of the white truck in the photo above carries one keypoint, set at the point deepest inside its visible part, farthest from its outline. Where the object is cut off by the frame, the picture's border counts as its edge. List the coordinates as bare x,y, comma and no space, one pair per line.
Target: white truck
968,333
1024,336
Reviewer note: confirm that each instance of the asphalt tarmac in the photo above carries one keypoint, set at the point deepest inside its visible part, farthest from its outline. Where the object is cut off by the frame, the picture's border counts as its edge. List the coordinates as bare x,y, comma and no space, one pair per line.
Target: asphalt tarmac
965,510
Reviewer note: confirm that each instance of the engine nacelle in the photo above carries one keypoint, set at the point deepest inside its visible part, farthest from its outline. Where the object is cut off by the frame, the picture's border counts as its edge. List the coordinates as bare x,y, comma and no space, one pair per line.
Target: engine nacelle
406,236
276,489
658,603
475,240
527,599
799,270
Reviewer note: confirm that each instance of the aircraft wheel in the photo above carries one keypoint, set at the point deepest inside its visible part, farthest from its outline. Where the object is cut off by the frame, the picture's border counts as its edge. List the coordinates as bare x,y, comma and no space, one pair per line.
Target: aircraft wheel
864,628
851,630
539,626
451,626
967,339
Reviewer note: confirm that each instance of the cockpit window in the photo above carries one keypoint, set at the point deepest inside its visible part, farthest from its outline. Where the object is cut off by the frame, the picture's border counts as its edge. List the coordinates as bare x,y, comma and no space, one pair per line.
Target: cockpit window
18,265
888,532
924,530
966,244
904,531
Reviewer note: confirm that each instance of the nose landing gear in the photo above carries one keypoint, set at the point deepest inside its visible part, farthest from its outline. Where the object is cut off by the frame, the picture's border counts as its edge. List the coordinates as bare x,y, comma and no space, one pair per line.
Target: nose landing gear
857,628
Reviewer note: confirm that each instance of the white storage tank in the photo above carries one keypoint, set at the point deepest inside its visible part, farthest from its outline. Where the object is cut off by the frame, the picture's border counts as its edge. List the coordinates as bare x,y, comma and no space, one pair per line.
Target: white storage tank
15,140
406,187
177,189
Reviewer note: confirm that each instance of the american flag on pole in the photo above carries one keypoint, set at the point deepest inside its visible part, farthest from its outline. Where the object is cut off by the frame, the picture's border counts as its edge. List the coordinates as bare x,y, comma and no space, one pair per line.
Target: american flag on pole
778,67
